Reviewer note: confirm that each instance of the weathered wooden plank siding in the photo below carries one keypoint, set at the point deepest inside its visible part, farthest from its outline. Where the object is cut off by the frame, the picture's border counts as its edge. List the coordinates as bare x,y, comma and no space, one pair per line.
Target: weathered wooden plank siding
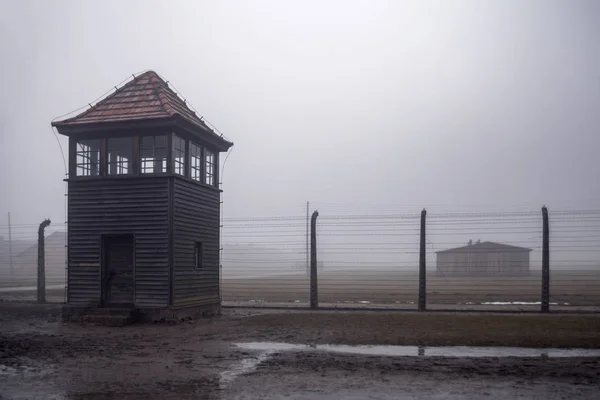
196,219
114,206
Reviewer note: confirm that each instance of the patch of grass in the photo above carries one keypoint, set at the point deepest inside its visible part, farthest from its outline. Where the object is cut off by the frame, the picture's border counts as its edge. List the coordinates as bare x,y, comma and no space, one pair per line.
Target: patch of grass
430,329
580,288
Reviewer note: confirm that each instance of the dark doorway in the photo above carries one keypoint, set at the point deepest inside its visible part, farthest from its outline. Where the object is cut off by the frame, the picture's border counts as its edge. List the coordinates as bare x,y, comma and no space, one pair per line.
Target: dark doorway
117,270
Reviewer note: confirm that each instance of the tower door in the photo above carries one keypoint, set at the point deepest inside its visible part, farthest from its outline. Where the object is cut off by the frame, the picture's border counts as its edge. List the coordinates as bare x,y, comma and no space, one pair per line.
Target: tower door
117,271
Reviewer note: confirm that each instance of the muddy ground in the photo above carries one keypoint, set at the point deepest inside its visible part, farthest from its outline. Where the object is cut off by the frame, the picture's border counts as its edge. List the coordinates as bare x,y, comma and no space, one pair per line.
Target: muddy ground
42,358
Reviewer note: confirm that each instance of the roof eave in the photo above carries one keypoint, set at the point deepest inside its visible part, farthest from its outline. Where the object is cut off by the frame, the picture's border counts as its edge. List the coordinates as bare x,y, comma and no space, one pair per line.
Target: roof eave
67,129
465,250
205,133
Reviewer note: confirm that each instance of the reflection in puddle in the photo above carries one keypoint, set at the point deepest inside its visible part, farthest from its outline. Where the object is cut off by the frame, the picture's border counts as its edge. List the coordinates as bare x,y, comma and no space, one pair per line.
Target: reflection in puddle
518,303
245,366
415,351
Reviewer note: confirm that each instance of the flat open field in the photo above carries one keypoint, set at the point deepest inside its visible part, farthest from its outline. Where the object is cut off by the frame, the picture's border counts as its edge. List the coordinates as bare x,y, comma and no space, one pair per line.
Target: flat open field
576,288
384,288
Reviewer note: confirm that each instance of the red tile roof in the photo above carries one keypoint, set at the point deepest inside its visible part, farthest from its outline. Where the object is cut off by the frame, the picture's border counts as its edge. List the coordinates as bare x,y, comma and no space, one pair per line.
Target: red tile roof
147,96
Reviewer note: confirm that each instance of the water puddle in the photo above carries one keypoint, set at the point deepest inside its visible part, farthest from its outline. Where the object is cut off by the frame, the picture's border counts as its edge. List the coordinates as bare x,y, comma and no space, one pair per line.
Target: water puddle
421,351
517,303
269,349
245,366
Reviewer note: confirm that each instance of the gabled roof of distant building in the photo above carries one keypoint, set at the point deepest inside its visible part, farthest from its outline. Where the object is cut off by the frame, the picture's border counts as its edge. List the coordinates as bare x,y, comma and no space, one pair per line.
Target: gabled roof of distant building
146,97
56,238
483,247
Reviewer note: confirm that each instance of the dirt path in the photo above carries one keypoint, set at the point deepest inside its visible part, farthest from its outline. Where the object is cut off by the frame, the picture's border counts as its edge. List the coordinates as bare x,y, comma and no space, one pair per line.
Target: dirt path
42,358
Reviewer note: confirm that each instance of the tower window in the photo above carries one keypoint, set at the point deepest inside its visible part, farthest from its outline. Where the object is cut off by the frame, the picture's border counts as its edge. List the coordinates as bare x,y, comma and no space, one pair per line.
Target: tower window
120,154
87,157
178,155
195,162
210,168
153,154
198,255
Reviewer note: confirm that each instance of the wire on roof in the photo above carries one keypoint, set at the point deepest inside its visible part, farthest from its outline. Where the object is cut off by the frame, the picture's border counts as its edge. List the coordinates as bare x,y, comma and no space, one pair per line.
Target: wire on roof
124,81
209,124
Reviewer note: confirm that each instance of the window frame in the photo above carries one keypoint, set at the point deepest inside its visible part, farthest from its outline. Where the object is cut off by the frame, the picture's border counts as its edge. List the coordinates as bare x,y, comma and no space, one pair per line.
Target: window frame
131,160
76,153
175,164
153,159
199,167
212,165
152,153
198,255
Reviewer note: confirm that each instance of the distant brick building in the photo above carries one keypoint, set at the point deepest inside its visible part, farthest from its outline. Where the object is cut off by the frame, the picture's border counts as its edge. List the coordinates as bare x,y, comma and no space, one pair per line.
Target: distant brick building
484,259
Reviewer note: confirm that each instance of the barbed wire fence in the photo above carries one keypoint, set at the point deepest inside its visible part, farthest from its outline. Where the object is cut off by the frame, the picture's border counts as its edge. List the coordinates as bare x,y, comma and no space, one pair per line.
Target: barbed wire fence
473,260
368,259
19,261
265,261
485,259
575,257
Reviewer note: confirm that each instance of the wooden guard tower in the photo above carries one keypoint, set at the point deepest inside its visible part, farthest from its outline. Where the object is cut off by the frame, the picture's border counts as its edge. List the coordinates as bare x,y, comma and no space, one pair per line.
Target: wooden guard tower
143,205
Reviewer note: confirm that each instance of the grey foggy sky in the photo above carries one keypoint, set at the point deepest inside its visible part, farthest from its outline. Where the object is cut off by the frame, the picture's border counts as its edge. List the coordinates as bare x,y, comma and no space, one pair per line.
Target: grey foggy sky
437,104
